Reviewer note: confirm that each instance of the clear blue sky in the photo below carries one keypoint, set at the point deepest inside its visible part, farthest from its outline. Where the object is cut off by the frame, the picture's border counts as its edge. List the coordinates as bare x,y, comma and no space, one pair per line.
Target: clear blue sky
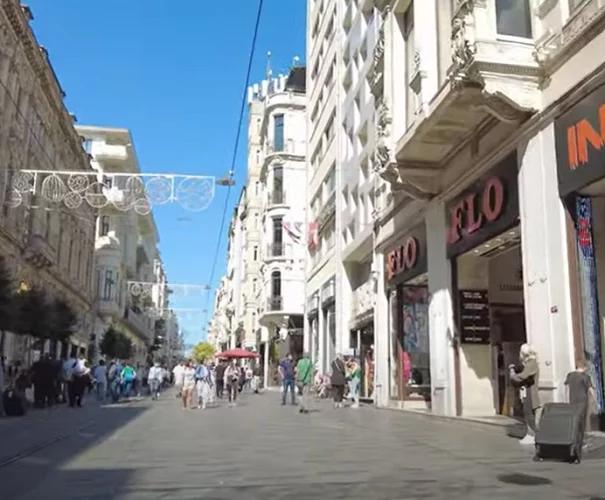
173,73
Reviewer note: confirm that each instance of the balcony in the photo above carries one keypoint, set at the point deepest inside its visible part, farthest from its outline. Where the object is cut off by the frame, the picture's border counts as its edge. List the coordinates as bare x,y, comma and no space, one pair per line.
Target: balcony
554,48
275,304
328,292
276,250
140,324
289,150
277,198
38,253
105,152
492,87
108,307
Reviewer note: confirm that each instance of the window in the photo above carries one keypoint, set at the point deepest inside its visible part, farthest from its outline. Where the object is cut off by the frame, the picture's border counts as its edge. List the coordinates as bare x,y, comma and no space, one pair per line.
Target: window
257,188
254,285
108,285
278,178
87,145
330,182
275,284
255,221
278,230
278,133
513,18
104,226
255,253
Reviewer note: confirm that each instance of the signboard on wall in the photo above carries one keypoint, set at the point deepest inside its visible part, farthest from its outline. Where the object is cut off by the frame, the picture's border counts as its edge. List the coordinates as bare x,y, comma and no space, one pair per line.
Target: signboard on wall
474,317
409,258
487,208
580,143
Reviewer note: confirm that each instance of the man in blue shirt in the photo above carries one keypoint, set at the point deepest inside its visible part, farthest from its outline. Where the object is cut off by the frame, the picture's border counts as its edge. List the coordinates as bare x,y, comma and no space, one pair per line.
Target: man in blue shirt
287,372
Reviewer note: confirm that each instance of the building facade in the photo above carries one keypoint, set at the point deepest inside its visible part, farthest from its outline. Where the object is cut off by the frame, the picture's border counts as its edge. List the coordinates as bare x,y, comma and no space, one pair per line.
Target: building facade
45,245
480,249
126,250
343,187
280,290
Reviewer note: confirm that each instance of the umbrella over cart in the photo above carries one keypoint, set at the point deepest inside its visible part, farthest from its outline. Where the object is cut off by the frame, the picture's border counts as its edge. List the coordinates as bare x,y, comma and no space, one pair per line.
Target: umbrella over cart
237,353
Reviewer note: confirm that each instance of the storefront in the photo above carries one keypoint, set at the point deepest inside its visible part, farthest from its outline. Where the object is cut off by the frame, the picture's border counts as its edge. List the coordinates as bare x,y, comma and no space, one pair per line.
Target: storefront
484,246
408,298
580,138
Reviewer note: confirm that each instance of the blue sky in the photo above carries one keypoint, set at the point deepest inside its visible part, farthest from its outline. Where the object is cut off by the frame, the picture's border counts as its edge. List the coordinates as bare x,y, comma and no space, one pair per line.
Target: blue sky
173,73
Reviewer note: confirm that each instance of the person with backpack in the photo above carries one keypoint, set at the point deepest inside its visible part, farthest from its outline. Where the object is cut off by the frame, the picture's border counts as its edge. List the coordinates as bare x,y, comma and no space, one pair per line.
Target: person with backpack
128,376
304,381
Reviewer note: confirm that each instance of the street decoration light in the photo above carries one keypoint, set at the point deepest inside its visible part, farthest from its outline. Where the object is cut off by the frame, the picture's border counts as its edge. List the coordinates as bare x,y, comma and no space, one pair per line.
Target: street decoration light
122,191
145,289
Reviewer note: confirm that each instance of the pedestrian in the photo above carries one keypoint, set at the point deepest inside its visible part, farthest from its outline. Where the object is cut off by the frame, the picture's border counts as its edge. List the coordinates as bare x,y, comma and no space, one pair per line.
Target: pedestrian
304,381
338,380
527,380
257,373
232,376
203,385
354,376
220,378
188,385
286,370
128,378
100,377
249,374
178,372
154,380
80,380
580,392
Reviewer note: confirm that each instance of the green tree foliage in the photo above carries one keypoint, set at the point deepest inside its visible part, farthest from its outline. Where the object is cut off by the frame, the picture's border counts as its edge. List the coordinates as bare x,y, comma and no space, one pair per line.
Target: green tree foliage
116,345
202,351
32,313
63,320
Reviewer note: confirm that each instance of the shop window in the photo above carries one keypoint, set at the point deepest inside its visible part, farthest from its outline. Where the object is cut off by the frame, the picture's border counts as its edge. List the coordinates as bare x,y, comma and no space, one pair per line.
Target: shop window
411,374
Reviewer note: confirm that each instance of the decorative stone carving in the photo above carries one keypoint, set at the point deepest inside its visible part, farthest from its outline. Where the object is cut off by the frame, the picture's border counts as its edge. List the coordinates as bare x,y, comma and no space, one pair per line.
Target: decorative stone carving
464,46
384,119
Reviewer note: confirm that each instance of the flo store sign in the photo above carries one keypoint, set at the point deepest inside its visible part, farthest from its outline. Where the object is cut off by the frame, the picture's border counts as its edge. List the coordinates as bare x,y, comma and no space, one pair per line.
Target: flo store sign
409,258
487,208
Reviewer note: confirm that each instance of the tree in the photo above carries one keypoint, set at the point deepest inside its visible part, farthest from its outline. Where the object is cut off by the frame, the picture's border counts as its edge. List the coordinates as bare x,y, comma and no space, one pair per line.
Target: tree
32,313
202,351
115,345
63,320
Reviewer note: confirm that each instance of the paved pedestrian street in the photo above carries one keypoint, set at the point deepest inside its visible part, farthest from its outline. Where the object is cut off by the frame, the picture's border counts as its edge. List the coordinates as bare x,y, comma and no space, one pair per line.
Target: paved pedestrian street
261,450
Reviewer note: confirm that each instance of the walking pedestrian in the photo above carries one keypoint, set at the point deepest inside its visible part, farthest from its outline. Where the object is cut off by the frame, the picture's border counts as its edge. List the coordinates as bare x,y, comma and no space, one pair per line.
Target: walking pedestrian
178,372
286,370
188,385
100,377
128,378
580,392
80,380
256,378
2,413
154,380
338,380
304,381
354,375
203,385
220,378
232,376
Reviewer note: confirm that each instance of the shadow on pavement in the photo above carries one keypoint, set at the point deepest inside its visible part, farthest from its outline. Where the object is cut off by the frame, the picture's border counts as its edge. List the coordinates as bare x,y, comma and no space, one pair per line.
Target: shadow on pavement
43,465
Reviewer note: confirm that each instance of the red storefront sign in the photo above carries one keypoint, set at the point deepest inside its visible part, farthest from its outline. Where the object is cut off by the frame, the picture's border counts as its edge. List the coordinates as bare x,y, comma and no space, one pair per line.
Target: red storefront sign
476,210
403,258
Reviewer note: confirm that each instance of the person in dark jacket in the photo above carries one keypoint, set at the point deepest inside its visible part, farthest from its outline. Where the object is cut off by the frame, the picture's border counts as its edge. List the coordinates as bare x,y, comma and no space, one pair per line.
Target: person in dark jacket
338,380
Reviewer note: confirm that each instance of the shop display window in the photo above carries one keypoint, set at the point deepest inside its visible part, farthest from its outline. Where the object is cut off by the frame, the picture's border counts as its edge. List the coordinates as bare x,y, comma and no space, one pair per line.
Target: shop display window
410,359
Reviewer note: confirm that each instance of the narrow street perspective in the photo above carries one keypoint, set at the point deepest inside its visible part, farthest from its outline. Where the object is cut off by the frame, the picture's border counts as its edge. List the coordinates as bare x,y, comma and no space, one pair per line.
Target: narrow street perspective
262,450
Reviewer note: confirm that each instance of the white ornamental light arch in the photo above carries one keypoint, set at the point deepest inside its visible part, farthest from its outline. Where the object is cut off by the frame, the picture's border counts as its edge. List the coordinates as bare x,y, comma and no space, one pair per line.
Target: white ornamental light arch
122,191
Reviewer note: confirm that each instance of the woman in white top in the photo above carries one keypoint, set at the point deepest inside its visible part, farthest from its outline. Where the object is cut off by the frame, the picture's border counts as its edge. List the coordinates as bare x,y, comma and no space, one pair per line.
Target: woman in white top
188,385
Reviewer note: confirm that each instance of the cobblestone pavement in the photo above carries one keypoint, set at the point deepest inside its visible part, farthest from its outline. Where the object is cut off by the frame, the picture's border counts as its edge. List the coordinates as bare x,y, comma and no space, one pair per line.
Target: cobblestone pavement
261,450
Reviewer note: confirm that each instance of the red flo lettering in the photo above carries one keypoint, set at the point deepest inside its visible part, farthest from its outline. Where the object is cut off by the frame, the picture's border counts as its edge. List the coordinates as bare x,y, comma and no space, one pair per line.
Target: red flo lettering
403,258
580,135
473,211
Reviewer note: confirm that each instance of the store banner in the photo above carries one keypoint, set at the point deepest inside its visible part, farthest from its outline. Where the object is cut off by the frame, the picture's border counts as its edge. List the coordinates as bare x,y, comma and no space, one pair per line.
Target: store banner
589,296
580,143
487,208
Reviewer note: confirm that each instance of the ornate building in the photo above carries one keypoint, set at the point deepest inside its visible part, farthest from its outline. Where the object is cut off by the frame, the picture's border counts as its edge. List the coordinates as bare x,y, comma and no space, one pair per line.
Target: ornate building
45,244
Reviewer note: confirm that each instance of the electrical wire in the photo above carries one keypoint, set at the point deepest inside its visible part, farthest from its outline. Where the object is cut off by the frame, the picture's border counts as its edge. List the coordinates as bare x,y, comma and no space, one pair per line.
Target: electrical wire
235,149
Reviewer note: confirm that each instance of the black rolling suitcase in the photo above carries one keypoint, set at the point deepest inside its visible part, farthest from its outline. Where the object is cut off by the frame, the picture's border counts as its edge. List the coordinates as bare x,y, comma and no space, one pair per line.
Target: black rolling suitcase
561,433
13,404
